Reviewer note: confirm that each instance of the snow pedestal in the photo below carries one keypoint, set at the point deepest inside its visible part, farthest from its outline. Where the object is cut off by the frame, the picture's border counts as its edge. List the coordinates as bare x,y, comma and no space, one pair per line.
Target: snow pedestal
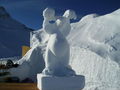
60,83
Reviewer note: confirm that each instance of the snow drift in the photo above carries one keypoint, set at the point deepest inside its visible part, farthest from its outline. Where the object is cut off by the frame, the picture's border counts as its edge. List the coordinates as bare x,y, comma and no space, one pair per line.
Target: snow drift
95,51
99,34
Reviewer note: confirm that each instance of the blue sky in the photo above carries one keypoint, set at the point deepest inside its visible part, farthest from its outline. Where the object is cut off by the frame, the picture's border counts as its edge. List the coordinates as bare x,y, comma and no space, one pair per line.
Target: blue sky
29,12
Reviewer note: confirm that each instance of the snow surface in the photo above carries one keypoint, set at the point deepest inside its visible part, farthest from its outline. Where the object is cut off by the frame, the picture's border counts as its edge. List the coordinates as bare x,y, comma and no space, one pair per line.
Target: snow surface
13,35
95,51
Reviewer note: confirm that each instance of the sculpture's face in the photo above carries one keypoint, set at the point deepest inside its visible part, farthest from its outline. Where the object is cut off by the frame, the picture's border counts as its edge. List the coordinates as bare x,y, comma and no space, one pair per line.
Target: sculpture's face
50,28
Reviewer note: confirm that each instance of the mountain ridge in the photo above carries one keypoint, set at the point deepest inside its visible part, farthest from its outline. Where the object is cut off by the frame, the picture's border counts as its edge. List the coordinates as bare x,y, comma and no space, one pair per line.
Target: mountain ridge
13,35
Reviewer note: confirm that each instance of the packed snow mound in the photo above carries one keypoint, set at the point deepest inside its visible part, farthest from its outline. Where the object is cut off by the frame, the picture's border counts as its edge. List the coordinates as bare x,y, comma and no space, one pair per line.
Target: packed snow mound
95,50
99,34
13,35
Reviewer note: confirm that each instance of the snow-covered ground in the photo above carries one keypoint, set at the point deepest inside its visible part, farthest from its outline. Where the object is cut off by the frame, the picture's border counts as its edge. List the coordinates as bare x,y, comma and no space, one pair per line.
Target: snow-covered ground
95,51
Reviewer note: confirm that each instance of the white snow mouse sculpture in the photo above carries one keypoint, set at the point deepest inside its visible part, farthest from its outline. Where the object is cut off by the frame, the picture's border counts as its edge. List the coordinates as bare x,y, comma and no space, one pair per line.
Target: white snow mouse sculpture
58,50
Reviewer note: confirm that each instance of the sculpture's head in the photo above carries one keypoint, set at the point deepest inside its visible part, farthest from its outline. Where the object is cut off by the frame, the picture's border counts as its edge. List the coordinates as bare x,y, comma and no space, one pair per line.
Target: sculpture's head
52,24
49,24
70,14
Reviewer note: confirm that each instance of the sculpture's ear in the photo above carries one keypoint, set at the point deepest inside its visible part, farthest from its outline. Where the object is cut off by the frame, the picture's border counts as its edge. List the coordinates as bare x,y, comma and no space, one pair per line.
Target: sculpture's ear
49,14
70,14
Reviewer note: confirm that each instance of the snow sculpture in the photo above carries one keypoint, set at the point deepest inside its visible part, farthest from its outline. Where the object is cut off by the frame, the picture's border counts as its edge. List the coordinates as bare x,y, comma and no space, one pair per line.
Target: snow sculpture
58,50
57,69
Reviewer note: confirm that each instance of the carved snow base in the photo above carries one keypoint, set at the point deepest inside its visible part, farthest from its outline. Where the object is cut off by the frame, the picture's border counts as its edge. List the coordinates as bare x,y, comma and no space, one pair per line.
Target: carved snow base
60,83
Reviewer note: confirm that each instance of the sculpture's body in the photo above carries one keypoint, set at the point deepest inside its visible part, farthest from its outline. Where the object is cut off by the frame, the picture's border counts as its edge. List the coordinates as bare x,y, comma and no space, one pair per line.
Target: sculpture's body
58,50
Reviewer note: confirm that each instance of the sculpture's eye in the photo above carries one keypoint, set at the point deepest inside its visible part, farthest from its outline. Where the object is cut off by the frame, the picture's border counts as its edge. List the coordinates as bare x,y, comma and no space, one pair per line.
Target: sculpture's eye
51,22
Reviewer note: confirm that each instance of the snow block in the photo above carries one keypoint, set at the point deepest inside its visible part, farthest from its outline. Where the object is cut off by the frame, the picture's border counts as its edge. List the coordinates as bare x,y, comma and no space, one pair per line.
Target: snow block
60,83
